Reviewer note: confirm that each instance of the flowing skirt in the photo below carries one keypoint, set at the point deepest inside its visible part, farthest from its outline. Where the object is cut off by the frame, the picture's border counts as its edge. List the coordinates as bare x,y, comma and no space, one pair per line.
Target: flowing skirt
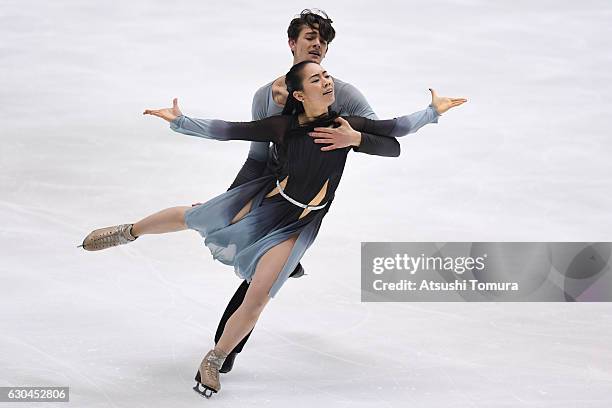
271,221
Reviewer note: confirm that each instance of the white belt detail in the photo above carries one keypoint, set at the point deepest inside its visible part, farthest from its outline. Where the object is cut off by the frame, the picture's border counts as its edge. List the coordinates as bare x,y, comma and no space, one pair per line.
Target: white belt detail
292,201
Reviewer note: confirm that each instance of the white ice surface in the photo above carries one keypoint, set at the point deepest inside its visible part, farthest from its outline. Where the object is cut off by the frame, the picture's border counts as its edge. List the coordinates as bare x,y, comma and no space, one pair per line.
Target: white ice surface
526,159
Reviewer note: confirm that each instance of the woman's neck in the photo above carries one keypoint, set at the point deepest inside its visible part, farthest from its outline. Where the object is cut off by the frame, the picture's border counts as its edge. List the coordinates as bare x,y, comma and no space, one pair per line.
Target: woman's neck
312,115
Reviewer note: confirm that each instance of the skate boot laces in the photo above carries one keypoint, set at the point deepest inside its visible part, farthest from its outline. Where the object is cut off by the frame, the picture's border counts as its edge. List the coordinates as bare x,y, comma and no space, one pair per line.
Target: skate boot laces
208,373
108,237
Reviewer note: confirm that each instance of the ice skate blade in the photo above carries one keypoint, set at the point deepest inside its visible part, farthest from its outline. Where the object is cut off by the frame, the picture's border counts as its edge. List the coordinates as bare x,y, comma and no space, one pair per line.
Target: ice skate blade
207,393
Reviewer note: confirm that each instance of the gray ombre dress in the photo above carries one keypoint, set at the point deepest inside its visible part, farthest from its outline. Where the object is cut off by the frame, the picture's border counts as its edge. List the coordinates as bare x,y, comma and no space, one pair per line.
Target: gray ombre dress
274,219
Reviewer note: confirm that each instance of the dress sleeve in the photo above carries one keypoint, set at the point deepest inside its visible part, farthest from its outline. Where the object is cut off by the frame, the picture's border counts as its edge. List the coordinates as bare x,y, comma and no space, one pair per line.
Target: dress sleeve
378,145
397,127
266,130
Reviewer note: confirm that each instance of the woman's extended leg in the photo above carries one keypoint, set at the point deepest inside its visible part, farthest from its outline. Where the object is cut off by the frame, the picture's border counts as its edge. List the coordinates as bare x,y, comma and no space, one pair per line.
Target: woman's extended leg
169,220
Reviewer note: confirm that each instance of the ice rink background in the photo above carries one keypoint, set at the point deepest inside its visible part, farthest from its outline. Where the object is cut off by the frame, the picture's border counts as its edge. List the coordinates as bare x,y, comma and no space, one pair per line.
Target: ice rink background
526,159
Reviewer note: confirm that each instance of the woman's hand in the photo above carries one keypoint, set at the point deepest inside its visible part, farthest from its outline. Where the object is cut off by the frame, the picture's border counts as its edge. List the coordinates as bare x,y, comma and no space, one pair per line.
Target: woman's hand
168,114
441,103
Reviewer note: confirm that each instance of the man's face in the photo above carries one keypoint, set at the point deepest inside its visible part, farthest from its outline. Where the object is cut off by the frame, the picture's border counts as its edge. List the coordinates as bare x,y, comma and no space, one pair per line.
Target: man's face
308,46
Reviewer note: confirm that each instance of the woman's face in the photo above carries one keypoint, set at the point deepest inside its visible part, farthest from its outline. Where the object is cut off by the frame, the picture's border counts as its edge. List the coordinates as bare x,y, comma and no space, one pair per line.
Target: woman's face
318,88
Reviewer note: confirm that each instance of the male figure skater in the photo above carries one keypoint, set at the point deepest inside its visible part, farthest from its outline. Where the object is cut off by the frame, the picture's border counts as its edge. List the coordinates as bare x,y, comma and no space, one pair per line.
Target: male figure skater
309,36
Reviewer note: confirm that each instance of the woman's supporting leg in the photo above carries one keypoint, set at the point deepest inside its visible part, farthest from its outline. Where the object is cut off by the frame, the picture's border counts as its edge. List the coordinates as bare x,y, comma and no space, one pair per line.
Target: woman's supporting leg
230,309
244,318
169,220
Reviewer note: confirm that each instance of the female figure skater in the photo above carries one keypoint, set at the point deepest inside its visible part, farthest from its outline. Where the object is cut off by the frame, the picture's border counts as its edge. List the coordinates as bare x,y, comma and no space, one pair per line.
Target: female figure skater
264,227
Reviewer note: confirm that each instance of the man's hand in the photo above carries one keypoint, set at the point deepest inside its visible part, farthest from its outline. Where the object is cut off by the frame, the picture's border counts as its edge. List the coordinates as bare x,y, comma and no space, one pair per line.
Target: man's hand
337,138
441,104
168,114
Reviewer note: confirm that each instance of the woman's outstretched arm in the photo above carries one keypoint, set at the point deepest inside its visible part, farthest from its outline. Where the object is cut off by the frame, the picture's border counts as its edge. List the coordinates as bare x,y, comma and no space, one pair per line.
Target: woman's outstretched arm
407,124
266,130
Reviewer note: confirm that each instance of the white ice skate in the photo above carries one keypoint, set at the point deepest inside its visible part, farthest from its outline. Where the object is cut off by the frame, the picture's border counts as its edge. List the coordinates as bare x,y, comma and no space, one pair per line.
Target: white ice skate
108,237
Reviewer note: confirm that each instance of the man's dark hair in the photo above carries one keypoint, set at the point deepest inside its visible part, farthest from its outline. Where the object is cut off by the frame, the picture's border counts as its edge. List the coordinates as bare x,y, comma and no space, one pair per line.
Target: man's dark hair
315,19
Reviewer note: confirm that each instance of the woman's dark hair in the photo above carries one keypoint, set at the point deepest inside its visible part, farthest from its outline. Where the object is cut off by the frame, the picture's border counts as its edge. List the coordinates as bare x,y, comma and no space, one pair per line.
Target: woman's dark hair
294,81
315,19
